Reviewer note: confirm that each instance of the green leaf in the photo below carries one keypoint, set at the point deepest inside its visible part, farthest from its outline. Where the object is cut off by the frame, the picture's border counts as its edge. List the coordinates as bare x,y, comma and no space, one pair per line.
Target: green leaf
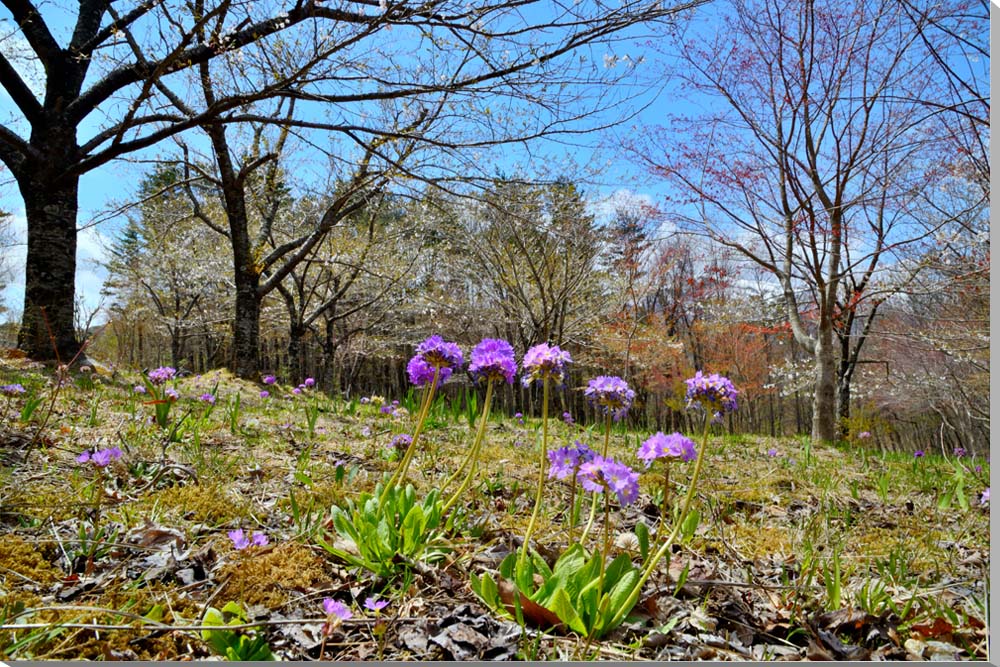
562,606
303,479
642,533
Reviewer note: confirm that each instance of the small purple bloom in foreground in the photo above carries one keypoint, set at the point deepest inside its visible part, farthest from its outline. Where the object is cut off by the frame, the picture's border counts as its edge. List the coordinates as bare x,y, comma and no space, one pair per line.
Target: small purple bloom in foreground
772,452
493,359
207,398
610,394
960,452
567,460
544,361
376,605
714,393
365,400
660,446
386,409
336,608
985,498
297,391
264,393
101,457
240,540
568,418
270,379
12,389
310,382
171,393
864,435
84,457
139,389
918,454
602,473
259,539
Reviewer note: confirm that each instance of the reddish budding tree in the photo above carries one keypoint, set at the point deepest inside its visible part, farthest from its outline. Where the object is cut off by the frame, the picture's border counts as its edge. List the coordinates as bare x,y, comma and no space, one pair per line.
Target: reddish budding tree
811,149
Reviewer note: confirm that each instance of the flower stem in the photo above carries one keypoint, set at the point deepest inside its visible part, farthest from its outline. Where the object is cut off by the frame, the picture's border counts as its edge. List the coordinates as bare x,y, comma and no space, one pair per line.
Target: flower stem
472,458
665,547
666,492
572,504
593,502
400,475
541,473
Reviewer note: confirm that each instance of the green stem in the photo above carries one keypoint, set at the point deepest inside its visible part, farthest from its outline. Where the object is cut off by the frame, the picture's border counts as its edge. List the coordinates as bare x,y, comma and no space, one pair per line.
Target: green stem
541,473
593,502
399,476
662,551
572,505
473,455
666,491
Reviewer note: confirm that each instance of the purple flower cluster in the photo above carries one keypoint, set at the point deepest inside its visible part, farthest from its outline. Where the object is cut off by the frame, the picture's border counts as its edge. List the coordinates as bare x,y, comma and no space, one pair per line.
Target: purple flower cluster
207,398
139,389
544,361
101,457
434,353
660,446
985,498
959,452
565,461
12,389
264,393
864,435
241,541
919,454
610,394
493,359
713,392
270,379
568,418
401,441
162,375
602,473
309,383
375,605
171,394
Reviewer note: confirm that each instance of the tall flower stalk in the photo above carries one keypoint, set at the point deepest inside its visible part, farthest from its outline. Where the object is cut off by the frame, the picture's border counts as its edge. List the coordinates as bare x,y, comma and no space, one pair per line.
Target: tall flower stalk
546,363
714,395
492,360
434,362
612,396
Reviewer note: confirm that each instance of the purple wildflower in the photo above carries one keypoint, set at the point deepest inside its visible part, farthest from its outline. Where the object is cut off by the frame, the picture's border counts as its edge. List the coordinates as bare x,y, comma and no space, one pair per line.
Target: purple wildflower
171,394
386,409
864,435
422,373
519,417
985,498
12,389
440,354
139,389
207,398
566,460
162,375
960,452
84,456
610,394
270,379
919,454
365,400
297,391
714,393
493,359
240,540
375,605
772,452
544,361
602,473
336,608
259,539
568,418
310,382
401,441
660,446
264,393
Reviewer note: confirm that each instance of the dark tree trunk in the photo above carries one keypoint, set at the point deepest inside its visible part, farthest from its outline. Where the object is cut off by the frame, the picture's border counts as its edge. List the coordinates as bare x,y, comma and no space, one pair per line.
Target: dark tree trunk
844,373
246,326
50,268
296,352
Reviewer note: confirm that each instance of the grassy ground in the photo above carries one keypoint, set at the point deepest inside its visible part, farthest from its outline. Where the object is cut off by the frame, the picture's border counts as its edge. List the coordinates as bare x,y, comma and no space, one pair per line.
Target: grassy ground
825,553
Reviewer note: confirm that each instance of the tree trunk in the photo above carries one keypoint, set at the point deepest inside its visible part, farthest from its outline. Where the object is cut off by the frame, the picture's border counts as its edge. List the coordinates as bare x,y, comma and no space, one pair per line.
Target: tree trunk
296,353
844,374
824,427
50,267
246,324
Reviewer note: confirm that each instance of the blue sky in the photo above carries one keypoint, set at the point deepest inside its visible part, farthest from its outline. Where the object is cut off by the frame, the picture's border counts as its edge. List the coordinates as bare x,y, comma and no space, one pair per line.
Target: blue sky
112,185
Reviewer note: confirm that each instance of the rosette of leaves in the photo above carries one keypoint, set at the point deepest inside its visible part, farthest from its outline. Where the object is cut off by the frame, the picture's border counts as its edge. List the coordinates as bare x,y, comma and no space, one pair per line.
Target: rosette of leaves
572,594
391,532
230,644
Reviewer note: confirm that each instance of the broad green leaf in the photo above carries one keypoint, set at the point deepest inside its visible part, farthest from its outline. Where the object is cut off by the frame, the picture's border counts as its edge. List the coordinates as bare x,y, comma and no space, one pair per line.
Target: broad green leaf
563,608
